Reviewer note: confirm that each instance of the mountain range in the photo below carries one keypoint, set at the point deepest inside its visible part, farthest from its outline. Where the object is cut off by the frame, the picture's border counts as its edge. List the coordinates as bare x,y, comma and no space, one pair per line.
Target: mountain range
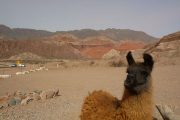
114,34
85,43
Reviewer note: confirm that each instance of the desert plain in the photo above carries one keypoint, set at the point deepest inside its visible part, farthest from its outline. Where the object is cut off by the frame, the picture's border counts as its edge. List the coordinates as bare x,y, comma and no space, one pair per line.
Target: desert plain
74,84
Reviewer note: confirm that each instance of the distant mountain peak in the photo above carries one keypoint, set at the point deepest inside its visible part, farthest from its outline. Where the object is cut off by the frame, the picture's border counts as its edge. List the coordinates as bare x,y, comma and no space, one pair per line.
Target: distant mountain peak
4,28
111,33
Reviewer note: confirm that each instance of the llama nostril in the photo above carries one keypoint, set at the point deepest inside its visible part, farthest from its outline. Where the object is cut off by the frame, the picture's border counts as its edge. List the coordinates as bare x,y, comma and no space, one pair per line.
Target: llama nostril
128,82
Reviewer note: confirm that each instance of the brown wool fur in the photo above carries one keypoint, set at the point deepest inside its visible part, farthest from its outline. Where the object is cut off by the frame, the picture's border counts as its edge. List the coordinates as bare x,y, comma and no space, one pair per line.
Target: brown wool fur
100,105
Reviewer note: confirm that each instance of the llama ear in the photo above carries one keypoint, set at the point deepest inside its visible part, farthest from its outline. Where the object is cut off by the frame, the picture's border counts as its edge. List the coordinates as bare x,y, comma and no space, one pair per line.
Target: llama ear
148,60
130,58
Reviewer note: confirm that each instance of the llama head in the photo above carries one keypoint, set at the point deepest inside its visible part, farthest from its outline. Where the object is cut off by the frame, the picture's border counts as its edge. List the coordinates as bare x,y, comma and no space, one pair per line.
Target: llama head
138,74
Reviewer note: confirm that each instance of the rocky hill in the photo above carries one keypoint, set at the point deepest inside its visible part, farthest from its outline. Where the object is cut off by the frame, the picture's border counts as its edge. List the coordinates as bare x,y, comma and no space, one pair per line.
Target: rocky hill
76,44
93,47
22,33
167,50
114,34
10,48
171,37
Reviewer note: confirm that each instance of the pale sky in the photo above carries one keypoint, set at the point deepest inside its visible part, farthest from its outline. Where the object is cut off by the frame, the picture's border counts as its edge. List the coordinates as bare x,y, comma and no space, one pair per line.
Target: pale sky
155,17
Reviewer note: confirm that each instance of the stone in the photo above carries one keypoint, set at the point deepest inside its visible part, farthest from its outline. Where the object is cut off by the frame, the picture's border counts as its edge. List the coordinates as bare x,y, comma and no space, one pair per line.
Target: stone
4,105
20,73
11,102
14,101
26,100
38,91
26,72
49,94
111,54
5,76
36,97
18,100
1,106
30,94
20,94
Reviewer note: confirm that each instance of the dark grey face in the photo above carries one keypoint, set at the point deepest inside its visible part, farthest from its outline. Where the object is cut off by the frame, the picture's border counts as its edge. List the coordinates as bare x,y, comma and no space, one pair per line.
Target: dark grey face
137,78
138,74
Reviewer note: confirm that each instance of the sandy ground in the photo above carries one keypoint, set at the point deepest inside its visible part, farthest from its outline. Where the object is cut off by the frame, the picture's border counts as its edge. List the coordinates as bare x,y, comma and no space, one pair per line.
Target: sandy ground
75,83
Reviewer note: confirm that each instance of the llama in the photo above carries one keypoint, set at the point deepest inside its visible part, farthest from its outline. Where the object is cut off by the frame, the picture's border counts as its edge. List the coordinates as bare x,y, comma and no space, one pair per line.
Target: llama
136,102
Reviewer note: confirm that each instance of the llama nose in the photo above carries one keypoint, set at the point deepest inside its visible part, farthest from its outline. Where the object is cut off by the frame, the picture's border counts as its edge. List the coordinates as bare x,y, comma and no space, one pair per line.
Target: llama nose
129,81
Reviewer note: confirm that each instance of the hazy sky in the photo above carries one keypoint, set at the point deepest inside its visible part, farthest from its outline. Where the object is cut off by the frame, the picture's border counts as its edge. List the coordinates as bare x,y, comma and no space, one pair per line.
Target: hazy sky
155,17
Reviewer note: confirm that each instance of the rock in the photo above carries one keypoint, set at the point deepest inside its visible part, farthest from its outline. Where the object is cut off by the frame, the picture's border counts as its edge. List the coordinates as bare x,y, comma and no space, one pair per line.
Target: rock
1,106
46,95
5,76
30,94
38,91
49,94
12,102
56,92
42,68
26,100
38,69
18,100
20,73
167,50
112,54
26,72
19,94
36,97
171,37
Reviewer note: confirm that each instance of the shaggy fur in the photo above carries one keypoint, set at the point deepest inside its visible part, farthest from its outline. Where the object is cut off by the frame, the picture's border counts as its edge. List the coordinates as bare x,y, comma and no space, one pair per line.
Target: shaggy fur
135,105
